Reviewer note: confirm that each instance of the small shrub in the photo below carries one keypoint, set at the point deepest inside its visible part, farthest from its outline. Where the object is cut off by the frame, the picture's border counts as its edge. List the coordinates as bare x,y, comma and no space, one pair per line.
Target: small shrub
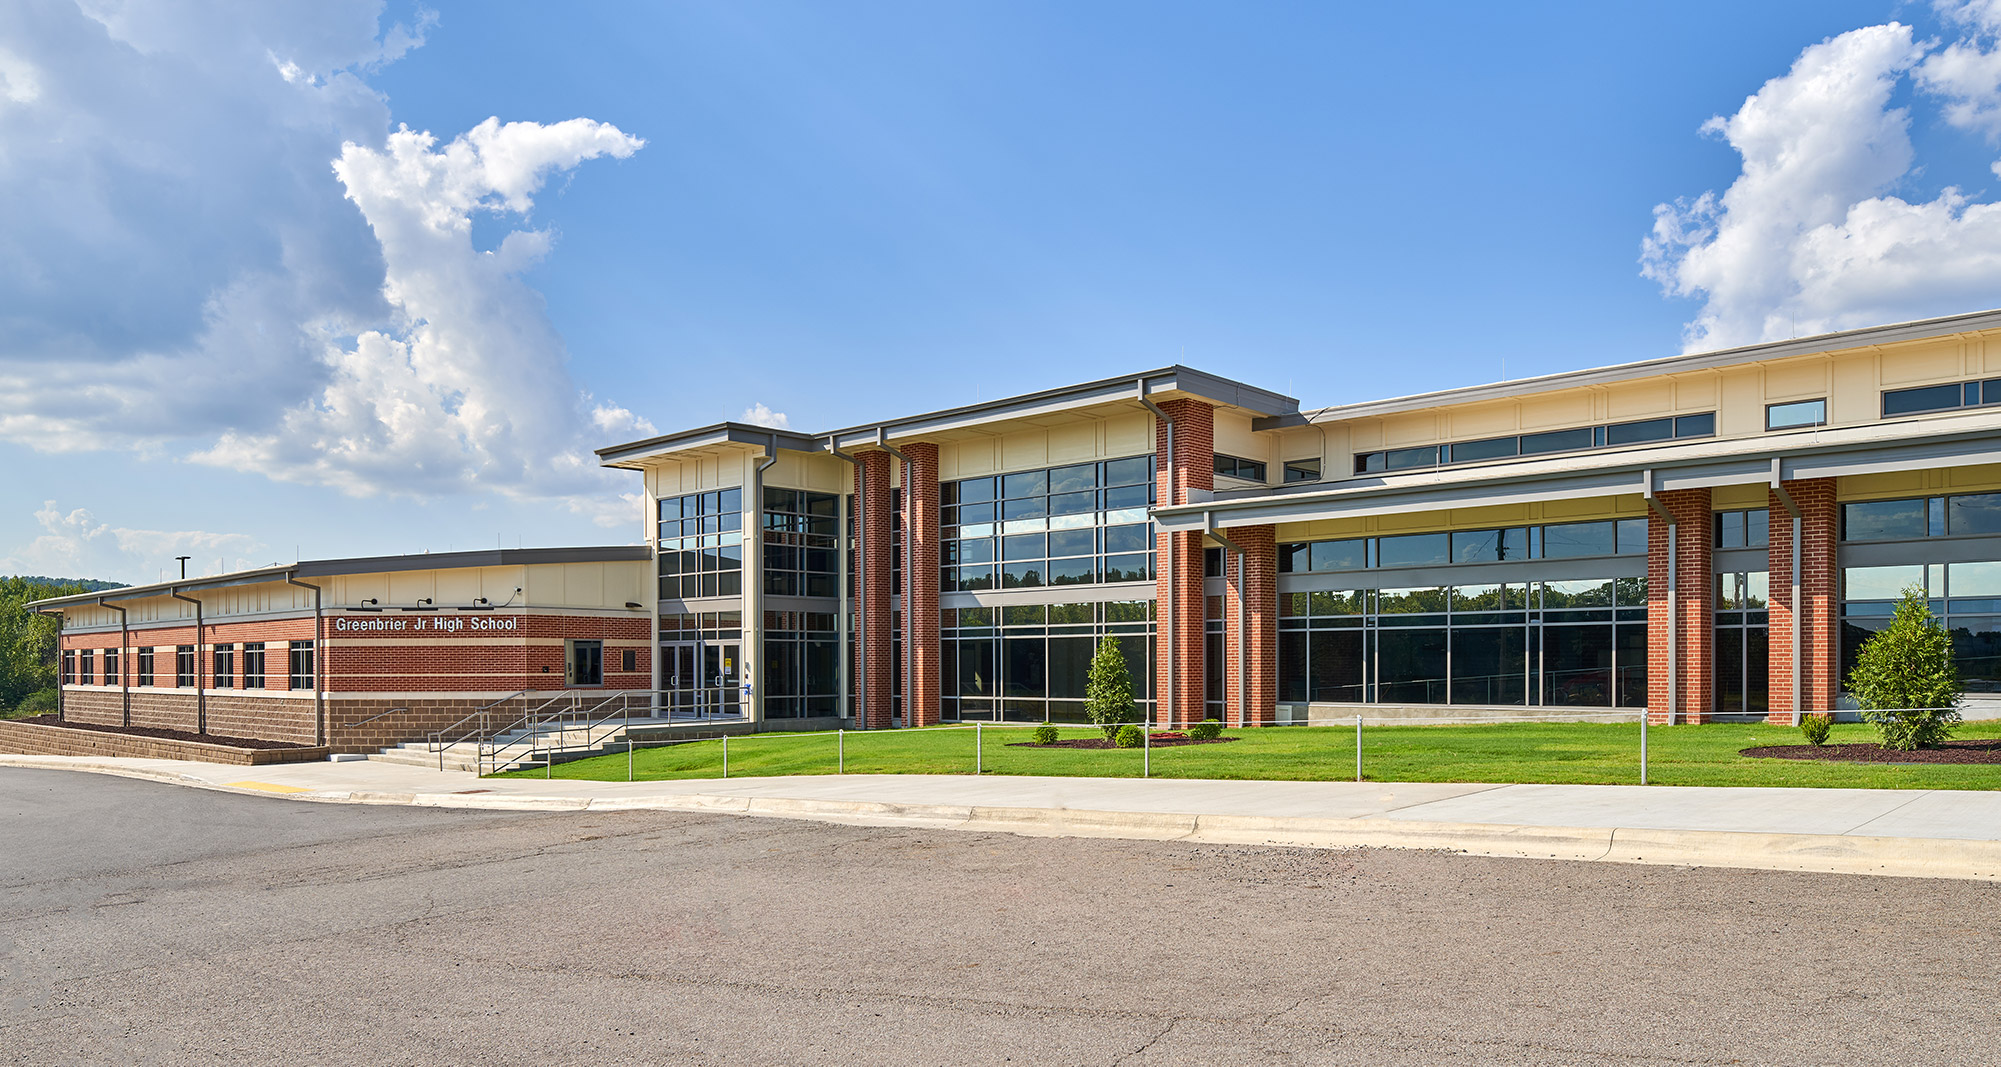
1906,680
1045,735
1815,727
1206,730
1108,690
1129,737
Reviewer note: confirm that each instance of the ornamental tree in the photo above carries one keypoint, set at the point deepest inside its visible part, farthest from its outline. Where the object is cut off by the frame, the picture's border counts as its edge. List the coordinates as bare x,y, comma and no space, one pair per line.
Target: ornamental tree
1906,680
1108,692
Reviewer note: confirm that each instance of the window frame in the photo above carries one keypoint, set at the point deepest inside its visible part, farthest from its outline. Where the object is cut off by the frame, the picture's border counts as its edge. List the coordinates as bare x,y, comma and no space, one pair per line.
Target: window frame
1771,409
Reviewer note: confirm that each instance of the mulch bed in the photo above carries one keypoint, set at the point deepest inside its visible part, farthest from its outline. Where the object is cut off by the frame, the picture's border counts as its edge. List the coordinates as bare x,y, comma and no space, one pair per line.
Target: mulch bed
1980,751
1165,739
164,735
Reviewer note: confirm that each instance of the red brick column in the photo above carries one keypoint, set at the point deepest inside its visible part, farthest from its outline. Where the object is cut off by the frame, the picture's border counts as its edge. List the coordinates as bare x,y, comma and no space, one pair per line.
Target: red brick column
920,586
1693,610
1178,625
1819,665
878,664
1250,648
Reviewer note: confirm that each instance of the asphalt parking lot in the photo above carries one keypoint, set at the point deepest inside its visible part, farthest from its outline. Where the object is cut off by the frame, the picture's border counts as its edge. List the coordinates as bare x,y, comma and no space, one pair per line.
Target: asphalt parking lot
148,923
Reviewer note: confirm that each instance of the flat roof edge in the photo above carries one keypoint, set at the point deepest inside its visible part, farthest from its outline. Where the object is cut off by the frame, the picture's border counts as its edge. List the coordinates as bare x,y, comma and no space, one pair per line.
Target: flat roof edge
325,568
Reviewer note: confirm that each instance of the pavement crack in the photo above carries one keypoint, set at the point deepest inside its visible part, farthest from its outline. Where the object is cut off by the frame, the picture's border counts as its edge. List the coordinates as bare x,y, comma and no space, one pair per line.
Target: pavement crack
1149,1043
1886,814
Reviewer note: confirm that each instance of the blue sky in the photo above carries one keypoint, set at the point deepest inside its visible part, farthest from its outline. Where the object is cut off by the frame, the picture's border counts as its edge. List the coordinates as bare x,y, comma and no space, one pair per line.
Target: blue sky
221,344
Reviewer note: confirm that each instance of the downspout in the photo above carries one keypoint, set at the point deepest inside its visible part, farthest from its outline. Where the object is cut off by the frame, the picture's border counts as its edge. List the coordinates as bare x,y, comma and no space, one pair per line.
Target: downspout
321,656
62,620
124,639
1673,597
845,666
1164,702
909,572
201,692
1243,618
1792,507
756,710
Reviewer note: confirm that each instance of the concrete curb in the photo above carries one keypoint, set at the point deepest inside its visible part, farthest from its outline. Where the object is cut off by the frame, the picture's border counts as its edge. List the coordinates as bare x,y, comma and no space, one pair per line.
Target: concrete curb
1817,853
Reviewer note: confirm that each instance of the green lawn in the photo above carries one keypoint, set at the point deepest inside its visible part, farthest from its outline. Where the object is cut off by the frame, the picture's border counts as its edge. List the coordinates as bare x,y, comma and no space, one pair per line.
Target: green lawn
1504,752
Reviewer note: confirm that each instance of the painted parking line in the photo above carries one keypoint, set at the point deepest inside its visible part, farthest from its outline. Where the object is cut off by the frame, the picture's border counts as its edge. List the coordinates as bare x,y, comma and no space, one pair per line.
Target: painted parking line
267,787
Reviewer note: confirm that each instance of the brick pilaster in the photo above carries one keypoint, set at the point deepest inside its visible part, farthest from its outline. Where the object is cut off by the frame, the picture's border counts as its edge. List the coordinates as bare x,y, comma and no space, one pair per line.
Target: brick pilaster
1250,628
878,663
1178,626
921,652
1816,618
1693,611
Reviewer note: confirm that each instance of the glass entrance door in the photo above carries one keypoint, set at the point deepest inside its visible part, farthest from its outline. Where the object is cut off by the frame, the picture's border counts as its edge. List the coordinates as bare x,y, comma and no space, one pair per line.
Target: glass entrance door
700,679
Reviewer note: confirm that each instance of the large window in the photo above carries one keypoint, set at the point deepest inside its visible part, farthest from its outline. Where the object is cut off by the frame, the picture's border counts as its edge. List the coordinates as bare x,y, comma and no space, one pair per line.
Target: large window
701,545
1611,537
86,667
1941,397
1795,414
225,666
801,664
1248,470
1965,596
1613,435
1742,677
300,654
1029,662
1577,643
67,673
111,667
146,666
253,664
184,666
1965,515
1077,525
1750,528
801,539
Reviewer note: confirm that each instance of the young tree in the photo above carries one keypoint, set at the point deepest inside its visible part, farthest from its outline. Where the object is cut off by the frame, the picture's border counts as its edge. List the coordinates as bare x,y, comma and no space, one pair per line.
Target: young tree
1108,692
1905,678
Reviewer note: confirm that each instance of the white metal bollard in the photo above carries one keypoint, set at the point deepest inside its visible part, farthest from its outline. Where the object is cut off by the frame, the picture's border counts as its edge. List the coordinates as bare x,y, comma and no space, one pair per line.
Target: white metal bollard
1146,750
979,752
1358,748
726,755
841,751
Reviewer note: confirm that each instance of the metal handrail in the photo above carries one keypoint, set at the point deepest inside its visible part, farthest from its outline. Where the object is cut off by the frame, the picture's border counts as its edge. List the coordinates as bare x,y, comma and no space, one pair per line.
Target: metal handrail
560,723
477,713
372,718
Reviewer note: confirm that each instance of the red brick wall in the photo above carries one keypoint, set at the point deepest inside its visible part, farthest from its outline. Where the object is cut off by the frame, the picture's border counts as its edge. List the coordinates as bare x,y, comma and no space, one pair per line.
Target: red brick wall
1820,530
1179,639
920,586
1251,648
1694,609
875,588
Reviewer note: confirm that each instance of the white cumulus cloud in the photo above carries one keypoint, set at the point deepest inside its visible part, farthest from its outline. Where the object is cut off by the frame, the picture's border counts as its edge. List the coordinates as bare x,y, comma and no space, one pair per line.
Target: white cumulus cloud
218,248
468,387
75,544
761,415
1812,236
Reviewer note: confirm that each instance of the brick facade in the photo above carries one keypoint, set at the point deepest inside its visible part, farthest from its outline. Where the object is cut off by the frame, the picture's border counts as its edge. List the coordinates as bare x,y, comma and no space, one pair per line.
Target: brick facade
873,580
448,657
922,656
1179,639
1683,616
1250,643
1820,532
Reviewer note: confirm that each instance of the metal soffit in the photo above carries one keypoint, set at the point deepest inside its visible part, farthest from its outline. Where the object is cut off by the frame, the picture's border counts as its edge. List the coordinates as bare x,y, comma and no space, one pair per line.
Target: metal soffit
1661,470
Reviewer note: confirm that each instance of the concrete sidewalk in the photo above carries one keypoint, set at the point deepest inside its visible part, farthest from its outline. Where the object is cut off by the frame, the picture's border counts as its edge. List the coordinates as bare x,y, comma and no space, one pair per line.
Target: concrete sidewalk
1914,833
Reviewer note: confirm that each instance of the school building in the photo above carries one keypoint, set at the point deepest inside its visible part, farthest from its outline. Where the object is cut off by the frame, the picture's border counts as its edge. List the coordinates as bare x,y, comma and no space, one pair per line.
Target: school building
1705,536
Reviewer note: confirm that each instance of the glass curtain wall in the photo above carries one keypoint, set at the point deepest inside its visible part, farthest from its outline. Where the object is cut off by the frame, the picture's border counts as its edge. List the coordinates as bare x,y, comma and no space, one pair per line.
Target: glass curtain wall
701,545
801,536
1571,644
1742,657
1030,662
1082,524
800,678
1966,596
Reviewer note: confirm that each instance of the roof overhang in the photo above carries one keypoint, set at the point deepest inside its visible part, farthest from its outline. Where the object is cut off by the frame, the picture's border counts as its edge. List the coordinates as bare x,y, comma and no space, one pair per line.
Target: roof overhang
633,456
1951,441
321,568
1872,336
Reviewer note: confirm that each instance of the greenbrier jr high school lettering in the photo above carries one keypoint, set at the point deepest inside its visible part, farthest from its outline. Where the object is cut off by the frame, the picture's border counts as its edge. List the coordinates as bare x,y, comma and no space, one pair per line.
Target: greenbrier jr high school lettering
443,624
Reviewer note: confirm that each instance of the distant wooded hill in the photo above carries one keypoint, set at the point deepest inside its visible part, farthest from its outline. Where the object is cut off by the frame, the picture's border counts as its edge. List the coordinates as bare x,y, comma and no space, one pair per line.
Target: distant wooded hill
28,641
